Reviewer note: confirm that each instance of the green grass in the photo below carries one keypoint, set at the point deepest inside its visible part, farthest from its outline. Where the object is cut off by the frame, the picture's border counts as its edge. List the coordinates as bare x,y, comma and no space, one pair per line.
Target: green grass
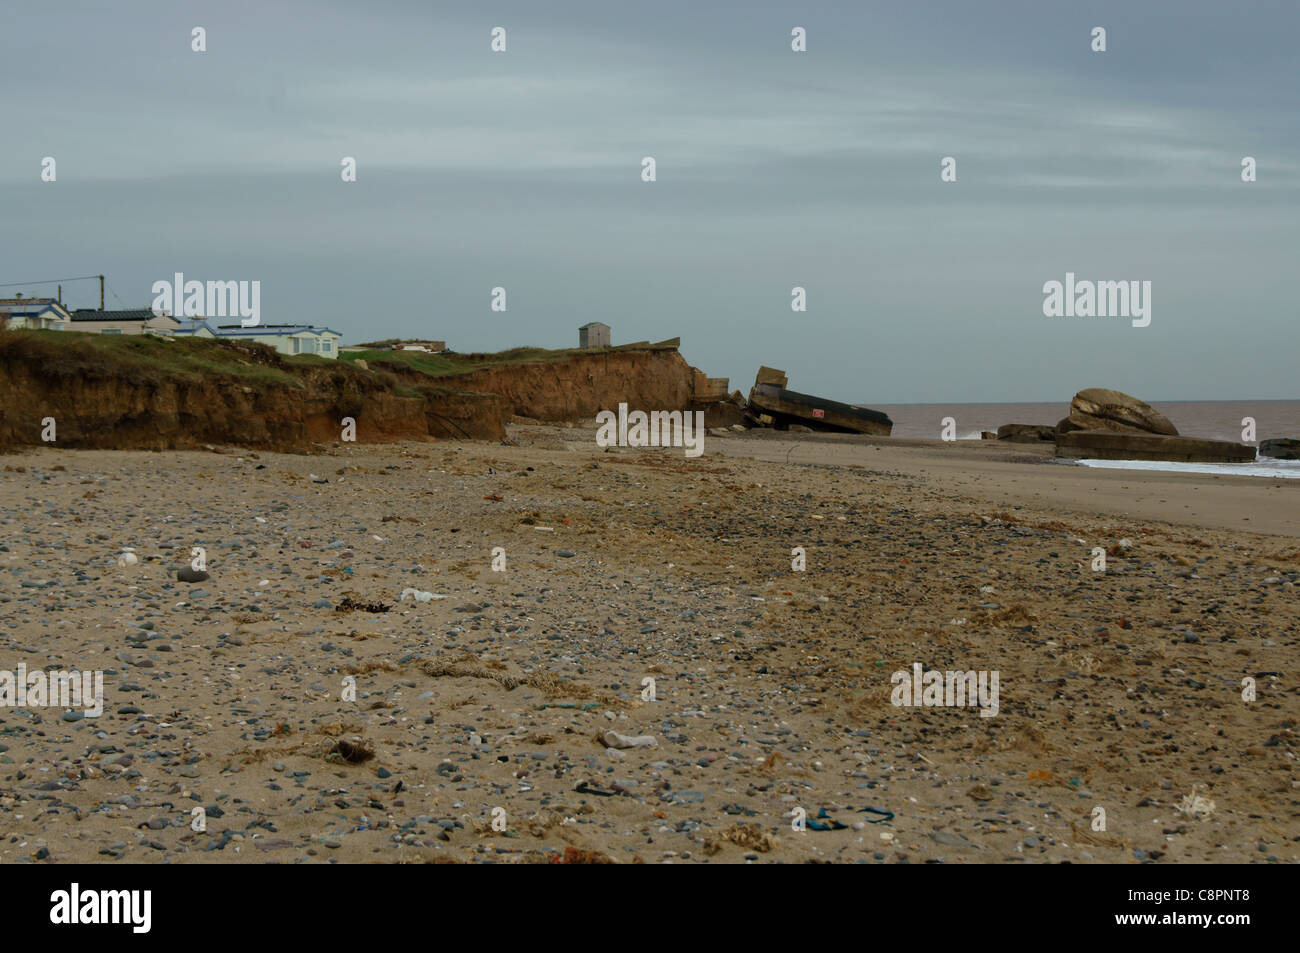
447,365
434,365
145,357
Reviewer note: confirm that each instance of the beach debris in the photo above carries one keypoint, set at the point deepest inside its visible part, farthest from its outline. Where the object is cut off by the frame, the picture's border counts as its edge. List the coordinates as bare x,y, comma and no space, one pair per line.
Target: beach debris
350,605
612,739
419,595
1122,548
127,558
1196,806
437,668
824,822
744,836
587,787
349,752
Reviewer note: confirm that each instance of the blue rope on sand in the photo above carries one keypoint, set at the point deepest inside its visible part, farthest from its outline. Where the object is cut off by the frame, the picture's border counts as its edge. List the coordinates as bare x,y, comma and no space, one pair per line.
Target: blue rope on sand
835,825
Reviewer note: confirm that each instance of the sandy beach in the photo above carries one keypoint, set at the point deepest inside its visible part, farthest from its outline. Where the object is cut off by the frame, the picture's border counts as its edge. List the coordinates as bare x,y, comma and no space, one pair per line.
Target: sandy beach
1119,690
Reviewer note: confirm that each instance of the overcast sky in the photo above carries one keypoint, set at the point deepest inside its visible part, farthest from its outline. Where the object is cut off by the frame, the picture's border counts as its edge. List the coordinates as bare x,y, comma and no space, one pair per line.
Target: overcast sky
820,169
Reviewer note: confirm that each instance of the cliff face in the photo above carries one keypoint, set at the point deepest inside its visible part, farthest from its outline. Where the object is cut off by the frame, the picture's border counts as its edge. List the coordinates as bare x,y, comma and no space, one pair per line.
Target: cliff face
267,403
583,384
289,409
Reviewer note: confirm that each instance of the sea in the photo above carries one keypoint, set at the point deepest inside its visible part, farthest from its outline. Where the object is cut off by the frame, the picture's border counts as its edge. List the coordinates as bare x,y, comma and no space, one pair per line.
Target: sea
1214,420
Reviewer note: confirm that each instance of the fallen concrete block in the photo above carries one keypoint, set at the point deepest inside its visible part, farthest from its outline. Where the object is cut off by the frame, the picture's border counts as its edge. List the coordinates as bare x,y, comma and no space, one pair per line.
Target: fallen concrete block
1112,445
1280,448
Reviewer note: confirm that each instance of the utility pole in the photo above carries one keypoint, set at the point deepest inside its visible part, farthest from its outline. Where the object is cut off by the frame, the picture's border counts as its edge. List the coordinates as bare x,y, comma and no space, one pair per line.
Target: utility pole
101,292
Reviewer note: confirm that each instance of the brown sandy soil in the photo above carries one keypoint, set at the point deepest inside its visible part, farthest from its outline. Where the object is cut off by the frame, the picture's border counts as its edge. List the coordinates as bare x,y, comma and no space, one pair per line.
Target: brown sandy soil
1118,690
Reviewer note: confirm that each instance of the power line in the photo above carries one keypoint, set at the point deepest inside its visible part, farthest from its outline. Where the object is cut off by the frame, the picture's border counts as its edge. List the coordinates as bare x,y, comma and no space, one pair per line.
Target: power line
52,281
115,295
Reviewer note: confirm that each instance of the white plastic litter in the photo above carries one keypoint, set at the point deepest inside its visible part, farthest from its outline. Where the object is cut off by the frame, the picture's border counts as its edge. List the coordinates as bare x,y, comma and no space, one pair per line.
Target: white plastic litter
612,739
420,595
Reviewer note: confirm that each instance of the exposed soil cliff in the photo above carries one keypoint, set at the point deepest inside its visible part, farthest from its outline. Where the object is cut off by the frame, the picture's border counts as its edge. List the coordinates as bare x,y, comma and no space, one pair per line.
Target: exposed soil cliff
144,393
580,385
247,395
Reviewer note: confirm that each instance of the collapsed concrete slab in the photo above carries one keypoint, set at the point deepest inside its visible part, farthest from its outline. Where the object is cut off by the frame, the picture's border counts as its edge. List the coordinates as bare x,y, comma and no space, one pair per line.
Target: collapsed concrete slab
1280,448
786,407
1026,433
1111,445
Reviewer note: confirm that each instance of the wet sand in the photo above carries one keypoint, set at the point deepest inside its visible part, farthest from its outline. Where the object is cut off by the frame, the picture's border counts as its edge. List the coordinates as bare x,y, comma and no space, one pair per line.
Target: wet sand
994,471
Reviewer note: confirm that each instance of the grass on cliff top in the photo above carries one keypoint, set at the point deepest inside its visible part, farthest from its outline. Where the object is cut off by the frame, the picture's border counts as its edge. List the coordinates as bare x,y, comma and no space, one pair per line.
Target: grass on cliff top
146,356
447,365
140,356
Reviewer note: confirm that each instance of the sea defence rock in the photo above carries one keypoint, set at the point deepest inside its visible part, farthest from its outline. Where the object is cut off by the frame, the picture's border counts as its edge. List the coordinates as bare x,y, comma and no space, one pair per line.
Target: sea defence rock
1098,408
1111,445
1280,448
1026,433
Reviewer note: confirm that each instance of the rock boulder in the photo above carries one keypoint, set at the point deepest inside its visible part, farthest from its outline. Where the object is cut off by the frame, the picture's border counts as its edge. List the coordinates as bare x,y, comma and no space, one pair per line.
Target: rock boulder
1098,408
